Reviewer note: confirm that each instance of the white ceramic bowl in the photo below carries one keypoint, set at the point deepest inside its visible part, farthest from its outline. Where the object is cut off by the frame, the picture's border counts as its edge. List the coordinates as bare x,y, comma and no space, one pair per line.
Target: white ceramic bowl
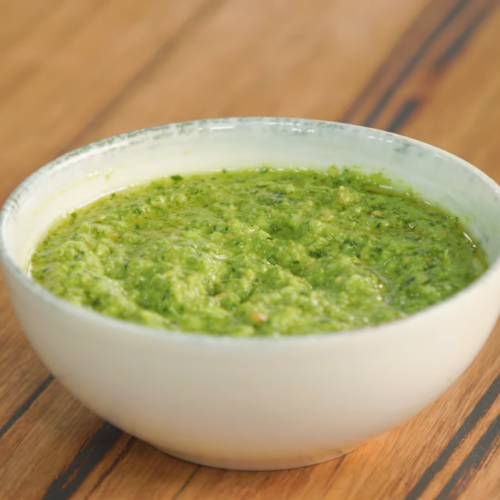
256,403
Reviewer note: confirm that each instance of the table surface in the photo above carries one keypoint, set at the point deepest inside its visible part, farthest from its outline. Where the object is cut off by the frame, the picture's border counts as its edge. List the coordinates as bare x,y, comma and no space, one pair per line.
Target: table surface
75,71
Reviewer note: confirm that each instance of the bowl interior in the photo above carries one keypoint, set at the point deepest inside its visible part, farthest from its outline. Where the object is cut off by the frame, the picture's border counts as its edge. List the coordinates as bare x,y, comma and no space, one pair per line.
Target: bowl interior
85,174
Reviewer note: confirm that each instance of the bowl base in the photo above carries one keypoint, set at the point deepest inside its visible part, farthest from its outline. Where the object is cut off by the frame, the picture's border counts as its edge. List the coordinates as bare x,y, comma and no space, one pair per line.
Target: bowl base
256,465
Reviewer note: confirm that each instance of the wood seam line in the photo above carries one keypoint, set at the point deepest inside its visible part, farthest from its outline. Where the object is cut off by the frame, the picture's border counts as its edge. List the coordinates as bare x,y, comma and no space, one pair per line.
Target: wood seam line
113,465
188,480
332,477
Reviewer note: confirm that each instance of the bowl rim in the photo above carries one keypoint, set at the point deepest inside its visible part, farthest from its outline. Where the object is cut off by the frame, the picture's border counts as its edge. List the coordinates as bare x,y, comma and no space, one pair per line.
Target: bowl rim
125,139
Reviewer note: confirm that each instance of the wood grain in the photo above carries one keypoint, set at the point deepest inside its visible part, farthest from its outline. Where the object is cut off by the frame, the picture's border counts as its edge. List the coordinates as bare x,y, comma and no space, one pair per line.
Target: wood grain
410,74
73,72
29,118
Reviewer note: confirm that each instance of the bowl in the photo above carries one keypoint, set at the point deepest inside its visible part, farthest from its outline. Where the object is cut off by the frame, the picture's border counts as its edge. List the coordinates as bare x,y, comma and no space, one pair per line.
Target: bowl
251,403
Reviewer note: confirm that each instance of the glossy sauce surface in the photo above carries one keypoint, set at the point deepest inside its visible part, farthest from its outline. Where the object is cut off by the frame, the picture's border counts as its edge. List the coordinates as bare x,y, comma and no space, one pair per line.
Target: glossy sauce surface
260,252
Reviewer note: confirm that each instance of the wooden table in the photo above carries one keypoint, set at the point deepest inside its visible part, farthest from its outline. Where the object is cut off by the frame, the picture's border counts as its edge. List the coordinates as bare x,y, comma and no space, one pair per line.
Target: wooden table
75,71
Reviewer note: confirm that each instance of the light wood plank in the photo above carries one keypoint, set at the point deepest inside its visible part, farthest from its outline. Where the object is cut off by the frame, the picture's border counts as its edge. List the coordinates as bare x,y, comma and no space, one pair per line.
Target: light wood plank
308,60
77,81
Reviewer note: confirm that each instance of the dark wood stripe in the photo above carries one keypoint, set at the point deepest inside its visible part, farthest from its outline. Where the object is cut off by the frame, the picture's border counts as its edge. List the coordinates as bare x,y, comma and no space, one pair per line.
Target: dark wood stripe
115,462
410,66
484,447
481,408
404,114
459,43
161,54
184,486
26,405
85,460
421,47
408,108
419,66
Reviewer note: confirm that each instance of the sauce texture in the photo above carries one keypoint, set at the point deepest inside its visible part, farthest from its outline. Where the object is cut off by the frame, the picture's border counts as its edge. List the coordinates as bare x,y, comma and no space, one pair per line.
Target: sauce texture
260,252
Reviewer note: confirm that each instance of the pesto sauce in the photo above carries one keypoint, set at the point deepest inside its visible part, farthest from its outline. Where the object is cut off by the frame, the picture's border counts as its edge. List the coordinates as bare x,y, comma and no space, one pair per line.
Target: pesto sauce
261,252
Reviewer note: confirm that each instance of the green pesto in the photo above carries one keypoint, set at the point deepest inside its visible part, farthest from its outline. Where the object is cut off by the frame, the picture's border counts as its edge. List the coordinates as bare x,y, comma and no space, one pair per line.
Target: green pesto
261,252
